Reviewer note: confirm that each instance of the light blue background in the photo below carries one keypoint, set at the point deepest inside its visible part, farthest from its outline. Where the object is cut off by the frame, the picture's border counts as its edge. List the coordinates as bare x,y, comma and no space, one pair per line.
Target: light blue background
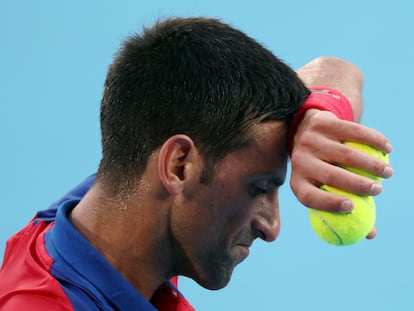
53,60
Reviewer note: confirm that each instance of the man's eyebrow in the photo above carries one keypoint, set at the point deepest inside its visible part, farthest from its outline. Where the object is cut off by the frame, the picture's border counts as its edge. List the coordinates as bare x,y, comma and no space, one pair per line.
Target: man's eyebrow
271,179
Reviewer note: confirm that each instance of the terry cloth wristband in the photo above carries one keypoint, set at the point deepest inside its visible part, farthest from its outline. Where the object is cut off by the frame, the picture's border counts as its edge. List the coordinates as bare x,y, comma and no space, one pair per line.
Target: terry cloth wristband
322,98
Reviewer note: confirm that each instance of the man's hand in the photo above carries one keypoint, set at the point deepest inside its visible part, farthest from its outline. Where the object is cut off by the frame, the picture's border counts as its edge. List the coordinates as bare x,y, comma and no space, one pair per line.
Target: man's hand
317,144
318,147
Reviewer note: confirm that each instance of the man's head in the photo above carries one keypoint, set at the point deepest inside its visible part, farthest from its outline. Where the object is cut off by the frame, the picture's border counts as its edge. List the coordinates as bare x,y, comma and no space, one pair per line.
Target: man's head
212,226
197,77
194,125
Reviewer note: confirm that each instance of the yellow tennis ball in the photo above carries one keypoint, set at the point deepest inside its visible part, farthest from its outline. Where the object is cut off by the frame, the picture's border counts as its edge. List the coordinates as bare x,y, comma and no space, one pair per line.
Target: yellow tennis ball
344,229
370,150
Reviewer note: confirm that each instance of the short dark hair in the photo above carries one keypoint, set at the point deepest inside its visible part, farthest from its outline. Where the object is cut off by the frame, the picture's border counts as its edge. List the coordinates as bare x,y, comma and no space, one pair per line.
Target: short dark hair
193,76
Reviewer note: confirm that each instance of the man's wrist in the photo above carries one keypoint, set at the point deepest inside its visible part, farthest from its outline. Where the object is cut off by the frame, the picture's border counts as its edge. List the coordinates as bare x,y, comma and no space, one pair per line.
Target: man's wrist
321,98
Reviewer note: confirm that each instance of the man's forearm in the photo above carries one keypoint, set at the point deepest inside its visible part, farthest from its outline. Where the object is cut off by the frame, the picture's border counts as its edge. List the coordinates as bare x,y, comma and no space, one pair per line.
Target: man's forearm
338,74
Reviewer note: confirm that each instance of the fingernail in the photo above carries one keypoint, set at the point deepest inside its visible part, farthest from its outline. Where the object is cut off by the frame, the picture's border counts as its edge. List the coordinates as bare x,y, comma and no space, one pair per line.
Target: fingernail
387,172
375,189
347,206
388,147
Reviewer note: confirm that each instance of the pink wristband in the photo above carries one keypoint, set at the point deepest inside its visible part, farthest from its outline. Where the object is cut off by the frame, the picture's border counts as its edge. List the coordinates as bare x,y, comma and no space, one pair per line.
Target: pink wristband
322,98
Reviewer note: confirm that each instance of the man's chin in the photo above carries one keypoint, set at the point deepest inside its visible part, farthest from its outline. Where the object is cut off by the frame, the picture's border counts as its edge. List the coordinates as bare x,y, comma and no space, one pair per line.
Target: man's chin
214,286
216,280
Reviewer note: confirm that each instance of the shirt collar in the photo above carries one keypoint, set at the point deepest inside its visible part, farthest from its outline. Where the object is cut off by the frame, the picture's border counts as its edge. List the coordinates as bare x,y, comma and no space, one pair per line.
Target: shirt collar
82,257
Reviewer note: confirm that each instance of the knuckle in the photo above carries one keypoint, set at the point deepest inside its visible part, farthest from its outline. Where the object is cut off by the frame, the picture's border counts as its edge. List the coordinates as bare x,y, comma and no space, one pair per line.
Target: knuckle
327,177
348,154
357,133
304,195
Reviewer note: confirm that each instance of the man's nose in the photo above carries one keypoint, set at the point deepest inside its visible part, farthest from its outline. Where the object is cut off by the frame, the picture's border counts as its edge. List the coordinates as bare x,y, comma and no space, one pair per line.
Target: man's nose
266,221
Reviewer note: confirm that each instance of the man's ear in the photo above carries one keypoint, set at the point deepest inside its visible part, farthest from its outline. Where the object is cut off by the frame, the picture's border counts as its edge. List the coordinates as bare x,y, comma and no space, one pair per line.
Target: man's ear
178,163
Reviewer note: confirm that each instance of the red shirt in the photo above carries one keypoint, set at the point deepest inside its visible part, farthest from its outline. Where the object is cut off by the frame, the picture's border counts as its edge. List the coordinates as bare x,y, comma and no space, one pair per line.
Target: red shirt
48,265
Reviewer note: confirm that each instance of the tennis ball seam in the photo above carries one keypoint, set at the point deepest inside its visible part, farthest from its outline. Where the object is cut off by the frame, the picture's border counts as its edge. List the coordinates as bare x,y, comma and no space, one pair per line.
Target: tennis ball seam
328,225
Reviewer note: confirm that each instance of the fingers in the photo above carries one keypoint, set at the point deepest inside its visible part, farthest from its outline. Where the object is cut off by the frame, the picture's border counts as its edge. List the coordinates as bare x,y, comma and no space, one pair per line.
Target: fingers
341,155
345,155
316,198
350,131
319,153
308,193
325,123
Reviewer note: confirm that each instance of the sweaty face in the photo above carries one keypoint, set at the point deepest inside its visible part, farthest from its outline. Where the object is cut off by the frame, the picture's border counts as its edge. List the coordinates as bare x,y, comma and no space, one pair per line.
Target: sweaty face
220,221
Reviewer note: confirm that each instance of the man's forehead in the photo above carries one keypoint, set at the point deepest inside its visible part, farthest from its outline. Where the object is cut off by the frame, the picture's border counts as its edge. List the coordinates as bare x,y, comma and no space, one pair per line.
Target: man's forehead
265,153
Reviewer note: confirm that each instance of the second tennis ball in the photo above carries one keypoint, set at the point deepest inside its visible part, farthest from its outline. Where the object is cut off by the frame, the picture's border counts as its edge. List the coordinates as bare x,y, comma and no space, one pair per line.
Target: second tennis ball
344,229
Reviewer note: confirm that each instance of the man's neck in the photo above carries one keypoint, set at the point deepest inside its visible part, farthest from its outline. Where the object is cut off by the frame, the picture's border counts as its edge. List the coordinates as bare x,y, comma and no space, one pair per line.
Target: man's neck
130,237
